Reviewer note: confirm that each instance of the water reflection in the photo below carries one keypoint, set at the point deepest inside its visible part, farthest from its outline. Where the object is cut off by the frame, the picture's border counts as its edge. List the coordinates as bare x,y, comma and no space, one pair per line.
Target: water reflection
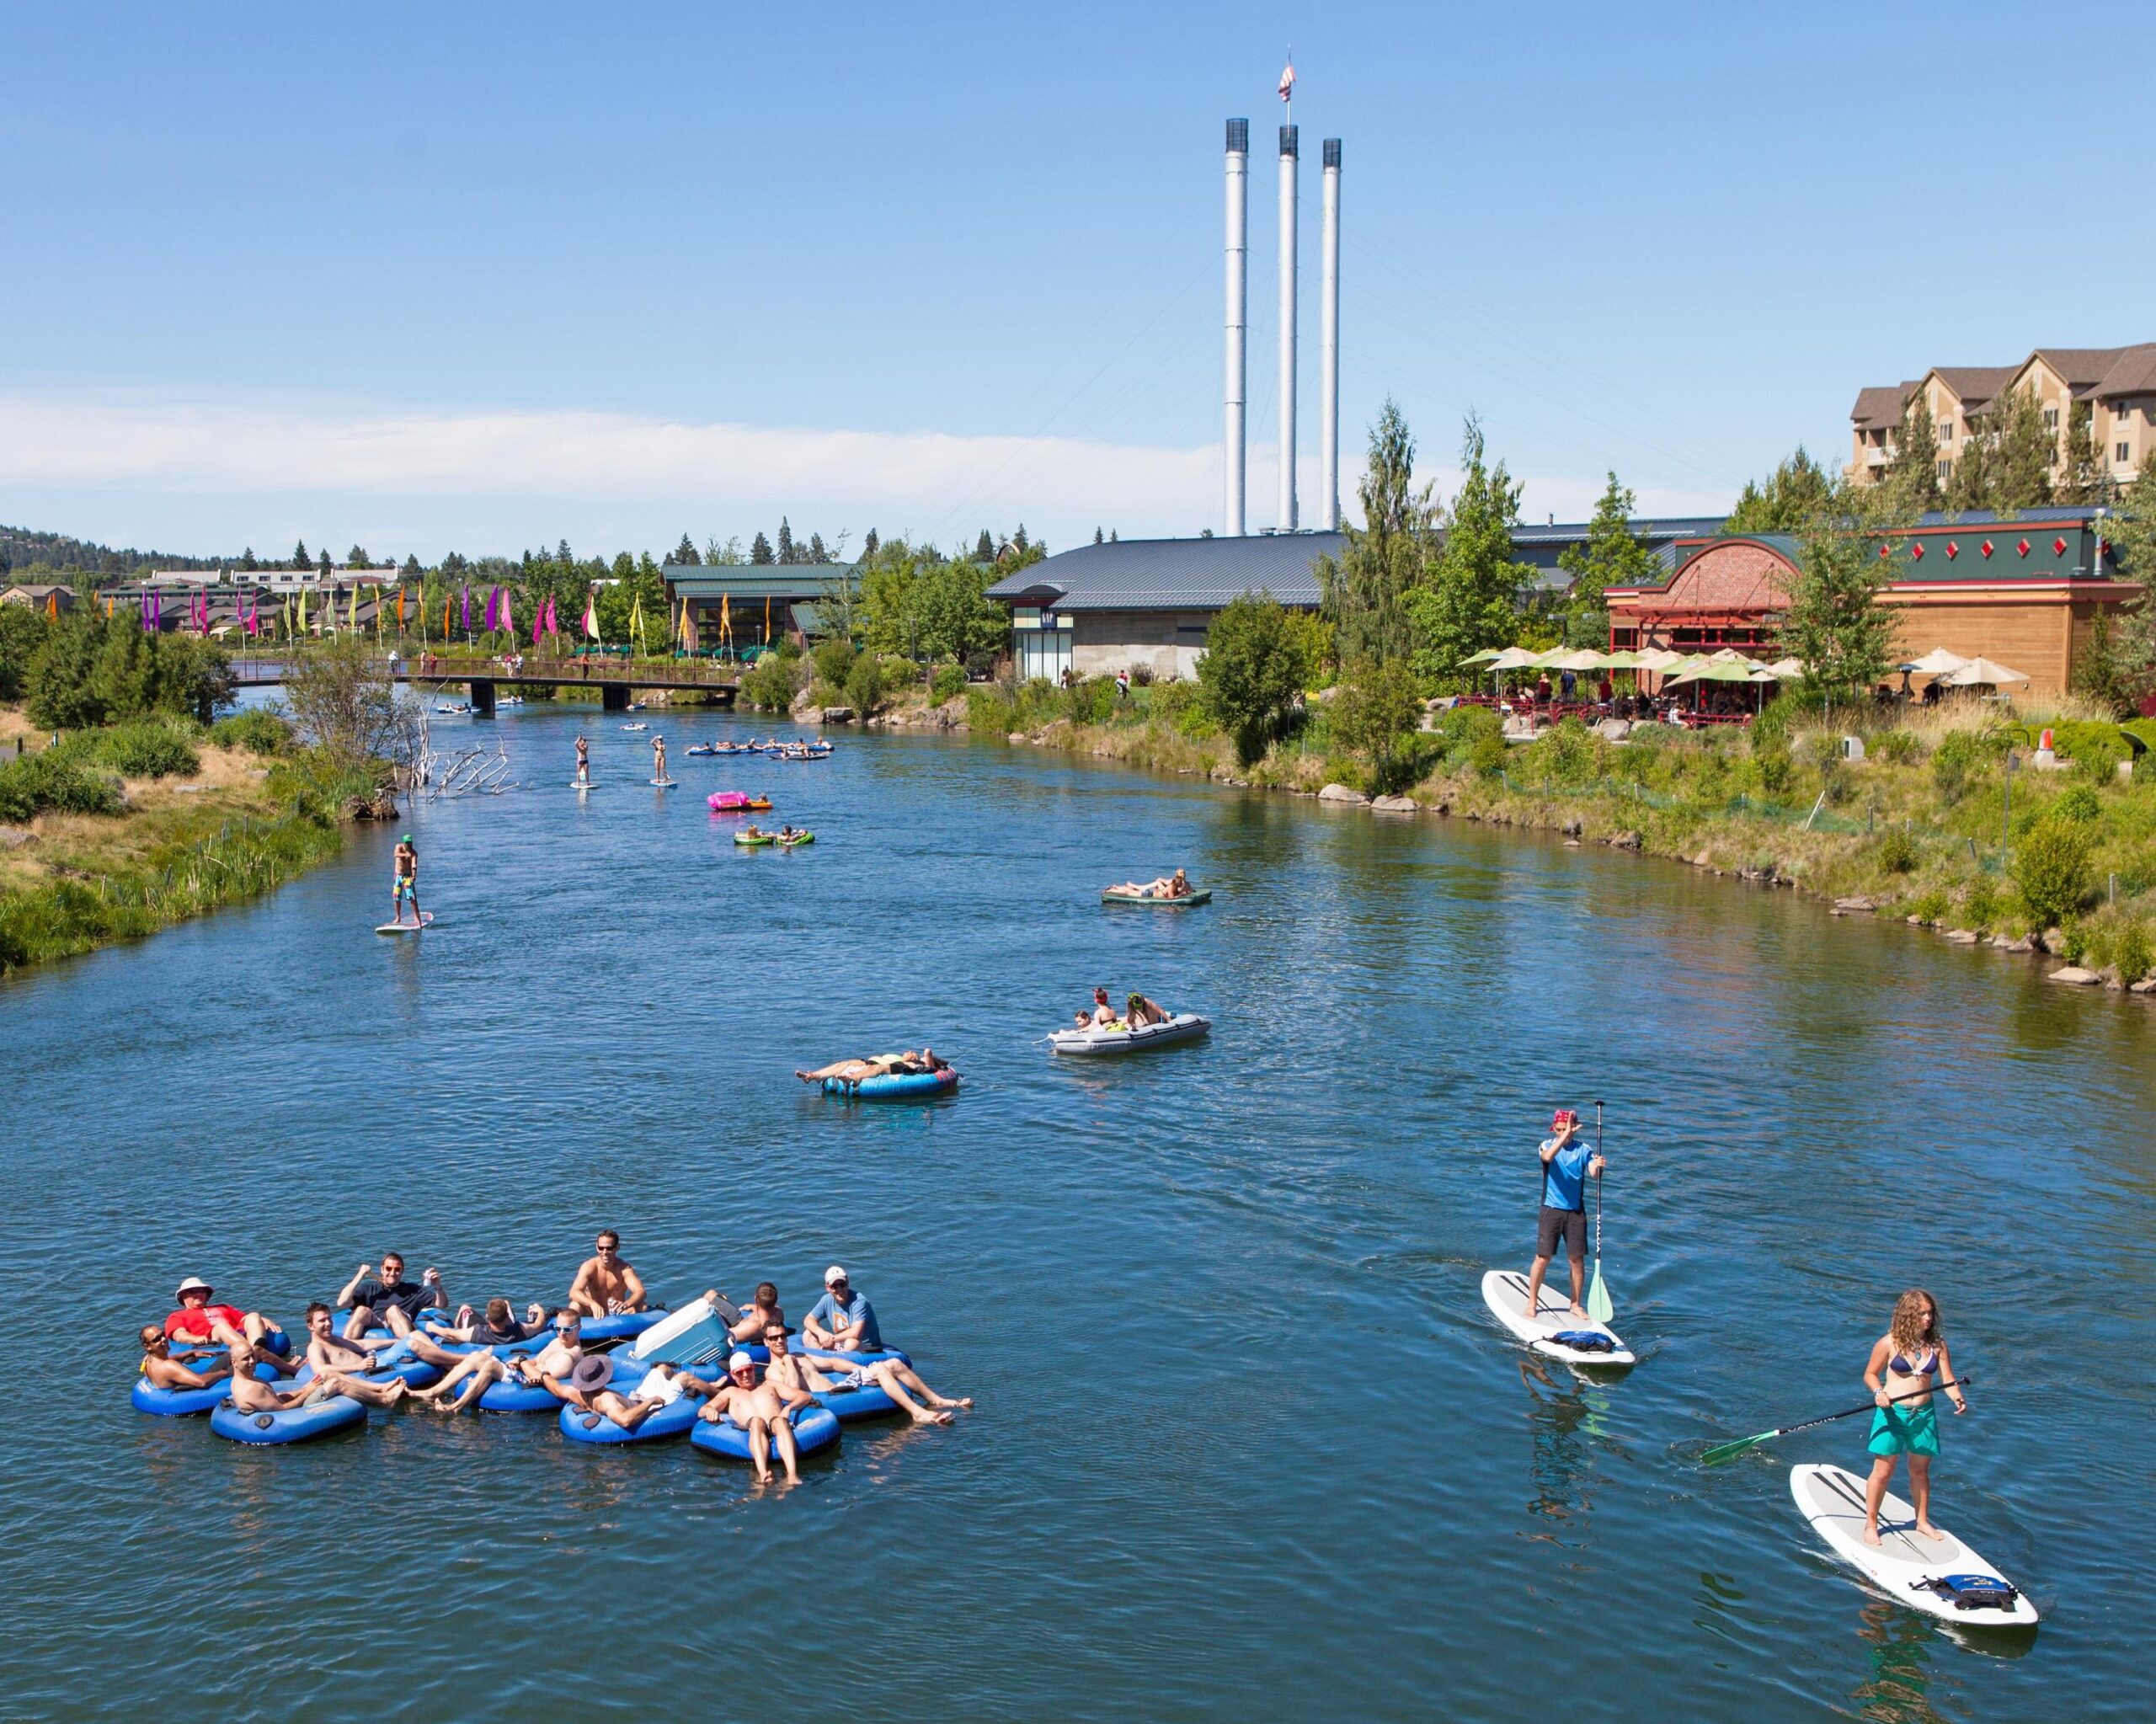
1569,1420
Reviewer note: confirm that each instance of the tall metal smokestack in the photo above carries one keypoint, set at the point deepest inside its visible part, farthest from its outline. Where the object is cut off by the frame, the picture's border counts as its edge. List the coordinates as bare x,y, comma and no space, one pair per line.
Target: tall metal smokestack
1328,345
1238,320
1288,155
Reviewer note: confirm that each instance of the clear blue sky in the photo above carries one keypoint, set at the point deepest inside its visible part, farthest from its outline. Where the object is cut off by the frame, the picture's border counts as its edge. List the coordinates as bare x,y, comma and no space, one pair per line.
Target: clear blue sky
481,277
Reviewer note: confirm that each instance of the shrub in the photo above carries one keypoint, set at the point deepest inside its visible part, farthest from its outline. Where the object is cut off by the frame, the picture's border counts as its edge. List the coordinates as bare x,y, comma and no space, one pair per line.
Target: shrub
864,684
835,661
1566,754
1897,748
1959,758
257,731
768,684
1897,851
949,681
1980,904
140,750
1931,907
51,782
1141,675
1092,702
2051,871
1486,753
1777,769
2078,803
2131,954
1254,670
1458,729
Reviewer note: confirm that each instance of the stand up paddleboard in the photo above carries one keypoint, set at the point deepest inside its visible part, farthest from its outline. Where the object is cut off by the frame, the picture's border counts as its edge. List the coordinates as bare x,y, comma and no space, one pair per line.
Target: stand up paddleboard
1505,1292
583,784
1941,1576
426,920
662,783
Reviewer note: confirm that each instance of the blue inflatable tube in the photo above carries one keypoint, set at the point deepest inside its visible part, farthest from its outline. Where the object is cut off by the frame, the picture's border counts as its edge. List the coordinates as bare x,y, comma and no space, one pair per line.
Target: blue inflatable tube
294,1424
813,1432
393,1367
623,1324
514,1395
184,1403
581,1427
893,1087
868,1401
823,1354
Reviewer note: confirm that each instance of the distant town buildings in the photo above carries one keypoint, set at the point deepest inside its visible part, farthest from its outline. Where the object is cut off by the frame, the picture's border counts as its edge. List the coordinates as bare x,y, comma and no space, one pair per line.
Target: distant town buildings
2114,387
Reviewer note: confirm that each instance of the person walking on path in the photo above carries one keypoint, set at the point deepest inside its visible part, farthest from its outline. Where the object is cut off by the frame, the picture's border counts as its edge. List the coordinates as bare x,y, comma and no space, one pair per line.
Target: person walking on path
1567,1161
1907,1360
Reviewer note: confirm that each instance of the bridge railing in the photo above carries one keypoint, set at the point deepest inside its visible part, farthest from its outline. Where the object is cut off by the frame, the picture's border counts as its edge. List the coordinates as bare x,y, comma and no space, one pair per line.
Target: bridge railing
263,667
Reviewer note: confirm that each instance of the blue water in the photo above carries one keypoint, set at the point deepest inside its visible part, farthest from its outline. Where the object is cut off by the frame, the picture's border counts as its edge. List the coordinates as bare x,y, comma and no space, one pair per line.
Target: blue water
1247,1444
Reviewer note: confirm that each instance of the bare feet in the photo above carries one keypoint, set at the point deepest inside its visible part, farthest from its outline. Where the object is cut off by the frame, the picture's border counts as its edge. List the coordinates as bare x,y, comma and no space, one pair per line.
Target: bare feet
1870,1535
398,1390
803,1075
1929,1530
1581,1314
926,1417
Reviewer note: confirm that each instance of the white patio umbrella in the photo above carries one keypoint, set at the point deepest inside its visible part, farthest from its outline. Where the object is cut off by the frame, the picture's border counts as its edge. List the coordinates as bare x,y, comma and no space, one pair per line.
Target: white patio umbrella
1578,658
1938,662
1786,668
1981,672
1515,659
1656,659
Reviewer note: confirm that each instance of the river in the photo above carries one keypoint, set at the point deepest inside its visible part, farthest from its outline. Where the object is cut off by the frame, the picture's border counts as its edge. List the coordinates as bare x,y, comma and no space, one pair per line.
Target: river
1247,1443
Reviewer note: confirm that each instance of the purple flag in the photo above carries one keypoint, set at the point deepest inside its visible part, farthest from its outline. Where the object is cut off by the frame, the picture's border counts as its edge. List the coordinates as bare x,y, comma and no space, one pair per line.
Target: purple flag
538,622
467,607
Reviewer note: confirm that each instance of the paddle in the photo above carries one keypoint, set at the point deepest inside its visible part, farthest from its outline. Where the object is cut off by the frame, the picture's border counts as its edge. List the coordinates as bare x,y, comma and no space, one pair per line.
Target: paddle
1599,1305
1728,1451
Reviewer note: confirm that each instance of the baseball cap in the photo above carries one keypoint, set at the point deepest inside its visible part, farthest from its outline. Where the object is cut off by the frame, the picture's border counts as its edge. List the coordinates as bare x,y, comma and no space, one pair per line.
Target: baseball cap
1565,1116
833,1273
739,1361
193,1283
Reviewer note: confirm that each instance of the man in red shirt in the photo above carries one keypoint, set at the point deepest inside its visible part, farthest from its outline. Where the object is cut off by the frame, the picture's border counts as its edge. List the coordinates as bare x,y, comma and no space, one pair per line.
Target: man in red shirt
200,1321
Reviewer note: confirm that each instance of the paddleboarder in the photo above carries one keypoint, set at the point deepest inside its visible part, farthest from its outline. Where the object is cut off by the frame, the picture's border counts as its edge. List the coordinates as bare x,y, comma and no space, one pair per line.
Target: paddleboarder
1906,1362
1567,1164
659,760
405,882
582,759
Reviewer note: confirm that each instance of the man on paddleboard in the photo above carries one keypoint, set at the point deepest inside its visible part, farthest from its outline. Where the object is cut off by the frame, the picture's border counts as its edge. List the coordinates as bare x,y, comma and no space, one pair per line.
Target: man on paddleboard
1567,1164
582,760
405,884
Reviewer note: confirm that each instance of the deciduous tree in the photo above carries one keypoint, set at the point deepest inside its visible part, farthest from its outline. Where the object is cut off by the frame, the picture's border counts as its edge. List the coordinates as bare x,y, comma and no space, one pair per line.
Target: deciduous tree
1252,672
1366,589
1471,599
1611,557
1791,495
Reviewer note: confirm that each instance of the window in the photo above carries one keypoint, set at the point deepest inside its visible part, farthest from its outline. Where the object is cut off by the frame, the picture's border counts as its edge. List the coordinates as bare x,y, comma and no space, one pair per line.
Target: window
1946,432
2050,418
2126,453
1946,470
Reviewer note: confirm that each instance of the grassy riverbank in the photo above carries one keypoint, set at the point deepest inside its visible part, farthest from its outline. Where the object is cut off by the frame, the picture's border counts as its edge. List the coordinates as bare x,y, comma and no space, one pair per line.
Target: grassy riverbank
1920,828
121,831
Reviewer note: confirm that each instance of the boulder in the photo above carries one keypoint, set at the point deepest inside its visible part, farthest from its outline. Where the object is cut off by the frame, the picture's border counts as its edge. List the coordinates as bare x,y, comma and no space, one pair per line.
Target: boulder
1572,843
834,715
1342,792
1015,738
1626,841
1395,804
2147,984
2053,940
1616,730
1960,936
1852,905
2075,977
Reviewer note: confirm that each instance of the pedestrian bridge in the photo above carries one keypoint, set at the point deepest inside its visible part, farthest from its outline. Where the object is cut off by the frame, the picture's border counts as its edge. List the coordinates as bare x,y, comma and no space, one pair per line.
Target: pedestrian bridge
486,678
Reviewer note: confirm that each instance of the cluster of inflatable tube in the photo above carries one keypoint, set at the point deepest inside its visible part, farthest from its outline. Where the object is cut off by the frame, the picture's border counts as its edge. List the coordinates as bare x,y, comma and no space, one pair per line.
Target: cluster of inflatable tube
815,1430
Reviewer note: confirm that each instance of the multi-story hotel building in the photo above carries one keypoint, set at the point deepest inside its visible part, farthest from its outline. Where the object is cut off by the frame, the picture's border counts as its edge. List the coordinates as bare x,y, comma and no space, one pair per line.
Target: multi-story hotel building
2116,386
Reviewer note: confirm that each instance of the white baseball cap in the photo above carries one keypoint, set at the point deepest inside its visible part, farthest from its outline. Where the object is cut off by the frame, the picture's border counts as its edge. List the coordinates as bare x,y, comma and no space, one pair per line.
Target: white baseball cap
833,1273
739,1361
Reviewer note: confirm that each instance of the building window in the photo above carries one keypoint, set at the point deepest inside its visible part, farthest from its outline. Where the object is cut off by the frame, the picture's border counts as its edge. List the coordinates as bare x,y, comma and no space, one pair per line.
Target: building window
2050,418
2126,453
1946,470
1946,432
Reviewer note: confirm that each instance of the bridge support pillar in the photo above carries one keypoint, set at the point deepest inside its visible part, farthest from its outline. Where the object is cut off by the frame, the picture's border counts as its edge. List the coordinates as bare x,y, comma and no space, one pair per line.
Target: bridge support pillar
613,697
483,696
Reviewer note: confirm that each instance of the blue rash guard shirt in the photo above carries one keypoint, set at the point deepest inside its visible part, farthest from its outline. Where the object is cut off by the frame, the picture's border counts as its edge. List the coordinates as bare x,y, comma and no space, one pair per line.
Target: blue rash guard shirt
1564,1175
833,1315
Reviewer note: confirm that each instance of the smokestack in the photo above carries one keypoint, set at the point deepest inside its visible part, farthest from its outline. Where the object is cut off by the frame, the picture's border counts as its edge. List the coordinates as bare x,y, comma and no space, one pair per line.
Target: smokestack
1288,328
1328,345
1238,319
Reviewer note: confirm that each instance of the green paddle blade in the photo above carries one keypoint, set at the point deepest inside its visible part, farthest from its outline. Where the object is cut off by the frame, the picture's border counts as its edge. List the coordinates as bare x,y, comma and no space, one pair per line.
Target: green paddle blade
1598,1304
1730,1451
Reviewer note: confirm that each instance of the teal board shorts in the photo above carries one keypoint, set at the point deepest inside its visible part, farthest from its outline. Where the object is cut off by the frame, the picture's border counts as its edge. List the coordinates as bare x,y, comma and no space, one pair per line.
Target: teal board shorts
404,888
1905,1430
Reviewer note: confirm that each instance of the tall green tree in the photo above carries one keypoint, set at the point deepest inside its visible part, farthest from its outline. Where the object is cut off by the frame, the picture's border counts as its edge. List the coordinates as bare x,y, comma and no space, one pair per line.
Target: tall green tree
1252,673
685,552
2084,476
785,540
760,550
1834,622
984,548
357,557
1365,591
2133,533
1471,598
1612,557
300,558
1791,495
1375,714
1969,479
2024,451
1913,474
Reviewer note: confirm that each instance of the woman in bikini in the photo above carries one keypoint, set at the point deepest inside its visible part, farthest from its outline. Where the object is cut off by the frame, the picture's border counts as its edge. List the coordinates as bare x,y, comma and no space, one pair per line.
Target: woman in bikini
1910,1357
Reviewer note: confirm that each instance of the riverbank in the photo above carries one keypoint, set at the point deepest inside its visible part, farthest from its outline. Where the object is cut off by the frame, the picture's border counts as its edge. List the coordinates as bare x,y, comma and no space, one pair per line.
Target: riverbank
202,821
1924,827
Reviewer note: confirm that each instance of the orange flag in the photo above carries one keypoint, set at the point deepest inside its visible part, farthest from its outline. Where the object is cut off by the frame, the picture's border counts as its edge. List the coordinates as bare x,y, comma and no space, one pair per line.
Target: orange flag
52,607
400,610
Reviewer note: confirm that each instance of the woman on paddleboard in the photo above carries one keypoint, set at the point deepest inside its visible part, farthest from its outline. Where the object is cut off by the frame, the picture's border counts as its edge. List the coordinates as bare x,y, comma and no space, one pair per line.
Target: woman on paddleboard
1909,1360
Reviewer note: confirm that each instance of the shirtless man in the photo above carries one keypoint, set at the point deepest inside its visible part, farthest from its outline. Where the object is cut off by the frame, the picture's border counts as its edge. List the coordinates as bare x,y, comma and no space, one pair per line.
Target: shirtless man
760,1314
788,1370
338,1361
763,1410
194,1368
605,1284
584,760
251,1395
404,881
472,1374
1140,1011
587,1388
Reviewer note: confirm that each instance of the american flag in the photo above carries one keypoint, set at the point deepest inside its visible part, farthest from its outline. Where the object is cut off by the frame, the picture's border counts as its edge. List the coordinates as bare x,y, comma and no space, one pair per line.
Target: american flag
1287,83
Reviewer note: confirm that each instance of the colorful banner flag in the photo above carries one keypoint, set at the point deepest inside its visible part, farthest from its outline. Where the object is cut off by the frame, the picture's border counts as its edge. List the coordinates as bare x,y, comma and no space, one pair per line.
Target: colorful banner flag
591,614
468,608
52,607
400,607
725,617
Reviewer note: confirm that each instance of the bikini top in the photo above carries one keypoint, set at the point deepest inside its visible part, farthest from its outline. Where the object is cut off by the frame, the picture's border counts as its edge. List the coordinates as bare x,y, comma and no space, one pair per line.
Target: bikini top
1926,1364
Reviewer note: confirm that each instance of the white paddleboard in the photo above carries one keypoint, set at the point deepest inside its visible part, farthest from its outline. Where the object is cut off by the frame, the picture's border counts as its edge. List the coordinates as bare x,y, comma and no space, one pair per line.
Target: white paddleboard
584,784
1903,1560
426,920
1505,1292
662,783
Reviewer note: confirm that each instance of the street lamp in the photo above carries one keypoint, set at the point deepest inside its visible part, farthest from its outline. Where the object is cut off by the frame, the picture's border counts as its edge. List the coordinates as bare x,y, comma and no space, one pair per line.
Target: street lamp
2006,819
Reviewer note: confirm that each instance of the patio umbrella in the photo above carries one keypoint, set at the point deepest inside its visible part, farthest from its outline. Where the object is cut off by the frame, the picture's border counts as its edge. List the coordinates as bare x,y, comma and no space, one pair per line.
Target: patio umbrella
1982,672
1515,659
1786,668
1482,658
1713,673
1938,662
1656,659
1577,659
1730,655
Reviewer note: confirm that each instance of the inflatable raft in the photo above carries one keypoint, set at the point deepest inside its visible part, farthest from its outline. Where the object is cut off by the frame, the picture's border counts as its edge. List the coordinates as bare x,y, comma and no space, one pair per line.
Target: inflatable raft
293,1424
670,1421
898,1086
756,840
813,1432
1187,901
1120,1038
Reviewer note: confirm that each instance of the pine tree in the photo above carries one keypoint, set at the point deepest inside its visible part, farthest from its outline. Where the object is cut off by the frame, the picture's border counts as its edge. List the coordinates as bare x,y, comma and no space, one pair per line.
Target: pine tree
358,559
327,567
1112,535
1913,474
686,553
1968,480
1796,491
1833,620
1365,591
2023,452
1099,538
869,544
562,553
817,554
300,558
785,540
247,560
2084,478
1611,558
1019,542
984,548
411,570
1471,599
760,550
2132,531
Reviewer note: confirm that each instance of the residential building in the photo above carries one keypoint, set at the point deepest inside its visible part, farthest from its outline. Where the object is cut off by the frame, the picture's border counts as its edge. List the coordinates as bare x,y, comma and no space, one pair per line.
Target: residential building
2024,591
752,604
2115,387
42,595
1147,603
